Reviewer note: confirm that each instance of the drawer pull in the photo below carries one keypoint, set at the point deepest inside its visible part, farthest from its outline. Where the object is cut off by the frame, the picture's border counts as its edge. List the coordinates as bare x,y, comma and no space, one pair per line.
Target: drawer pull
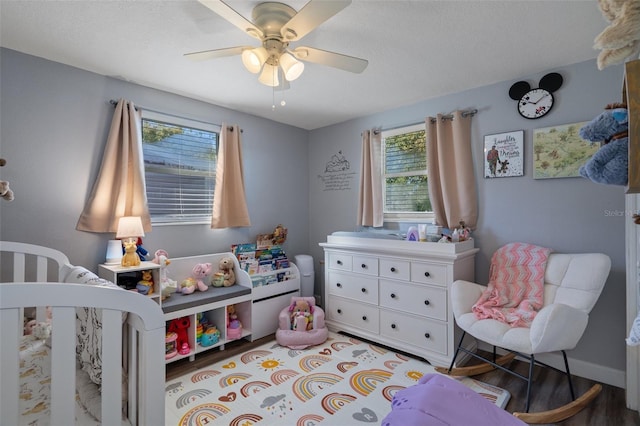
339,285
339,262
364,290
393,295
339,311
393,269
364,318
393,326
426,302
427,335
427,274
363,266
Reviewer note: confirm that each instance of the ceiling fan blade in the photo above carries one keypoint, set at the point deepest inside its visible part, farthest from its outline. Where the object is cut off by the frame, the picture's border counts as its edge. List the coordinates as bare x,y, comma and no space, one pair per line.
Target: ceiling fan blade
310,16
216,53
332,59
225,11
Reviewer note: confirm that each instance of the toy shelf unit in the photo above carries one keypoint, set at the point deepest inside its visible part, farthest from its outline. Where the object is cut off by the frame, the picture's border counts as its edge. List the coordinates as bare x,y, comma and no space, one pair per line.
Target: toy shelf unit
130,277
205,313
274,280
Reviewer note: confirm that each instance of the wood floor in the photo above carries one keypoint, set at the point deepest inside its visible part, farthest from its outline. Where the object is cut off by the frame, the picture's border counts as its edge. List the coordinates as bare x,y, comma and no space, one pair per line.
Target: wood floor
550,389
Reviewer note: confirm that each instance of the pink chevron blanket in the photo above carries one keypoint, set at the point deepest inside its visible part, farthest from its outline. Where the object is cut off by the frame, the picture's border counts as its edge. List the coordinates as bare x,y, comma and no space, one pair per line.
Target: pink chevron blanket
516,285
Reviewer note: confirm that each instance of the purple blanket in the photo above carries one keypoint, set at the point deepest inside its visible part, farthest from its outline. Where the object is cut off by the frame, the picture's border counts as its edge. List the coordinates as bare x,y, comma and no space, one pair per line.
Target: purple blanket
438,400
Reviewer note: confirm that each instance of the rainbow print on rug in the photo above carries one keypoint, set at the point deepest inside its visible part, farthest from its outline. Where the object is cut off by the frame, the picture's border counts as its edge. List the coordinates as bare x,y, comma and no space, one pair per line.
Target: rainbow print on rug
343,381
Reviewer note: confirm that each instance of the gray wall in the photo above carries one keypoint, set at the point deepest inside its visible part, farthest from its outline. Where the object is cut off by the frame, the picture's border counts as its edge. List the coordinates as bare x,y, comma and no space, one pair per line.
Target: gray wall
567,215
55,121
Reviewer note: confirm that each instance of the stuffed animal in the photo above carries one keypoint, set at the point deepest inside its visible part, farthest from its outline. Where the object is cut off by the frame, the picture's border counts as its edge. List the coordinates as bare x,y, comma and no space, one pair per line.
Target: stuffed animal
609,165
180,327
5,191
234,326
167,285
141,251
196,280
130,258
621,39
145,285
301,314
225,277
42,330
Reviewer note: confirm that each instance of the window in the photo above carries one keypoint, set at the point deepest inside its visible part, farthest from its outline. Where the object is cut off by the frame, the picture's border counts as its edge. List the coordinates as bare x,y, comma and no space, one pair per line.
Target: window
404,165
180,168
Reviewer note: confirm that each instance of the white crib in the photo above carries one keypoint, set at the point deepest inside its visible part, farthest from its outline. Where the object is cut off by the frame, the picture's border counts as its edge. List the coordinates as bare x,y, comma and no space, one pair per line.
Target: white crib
141,354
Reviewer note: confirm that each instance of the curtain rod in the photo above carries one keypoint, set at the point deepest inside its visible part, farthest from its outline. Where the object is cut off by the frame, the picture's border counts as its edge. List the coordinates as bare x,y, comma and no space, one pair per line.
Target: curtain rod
469,113
230,128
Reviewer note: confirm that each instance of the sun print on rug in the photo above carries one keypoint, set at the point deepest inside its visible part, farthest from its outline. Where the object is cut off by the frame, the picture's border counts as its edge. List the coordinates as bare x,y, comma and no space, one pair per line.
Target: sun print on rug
343,381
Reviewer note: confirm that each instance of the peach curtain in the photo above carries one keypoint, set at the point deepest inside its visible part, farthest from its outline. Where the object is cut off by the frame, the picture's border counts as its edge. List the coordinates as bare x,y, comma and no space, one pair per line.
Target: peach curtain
370,201
452,184
229,200
119,189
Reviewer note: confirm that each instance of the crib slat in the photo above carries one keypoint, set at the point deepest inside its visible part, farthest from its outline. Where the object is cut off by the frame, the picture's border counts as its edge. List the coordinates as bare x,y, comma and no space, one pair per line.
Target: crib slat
132,368
111,362
63,371
9,364
152,377
18,267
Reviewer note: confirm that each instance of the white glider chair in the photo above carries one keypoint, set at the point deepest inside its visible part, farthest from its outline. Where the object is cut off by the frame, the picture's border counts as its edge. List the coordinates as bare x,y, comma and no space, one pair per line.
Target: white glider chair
573,283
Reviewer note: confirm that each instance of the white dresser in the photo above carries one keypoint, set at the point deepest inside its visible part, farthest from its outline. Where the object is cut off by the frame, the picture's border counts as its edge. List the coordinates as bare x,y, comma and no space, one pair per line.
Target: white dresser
396,292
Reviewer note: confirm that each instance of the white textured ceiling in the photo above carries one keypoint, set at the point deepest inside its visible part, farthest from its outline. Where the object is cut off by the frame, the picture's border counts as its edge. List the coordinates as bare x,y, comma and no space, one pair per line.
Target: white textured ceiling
416,49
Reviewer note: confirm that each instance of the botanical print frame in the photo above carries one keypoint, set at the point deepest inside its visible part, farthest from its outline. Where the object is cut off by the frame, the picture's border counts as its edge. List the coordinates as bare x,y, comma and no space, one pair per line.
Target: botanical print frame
503,154
559,151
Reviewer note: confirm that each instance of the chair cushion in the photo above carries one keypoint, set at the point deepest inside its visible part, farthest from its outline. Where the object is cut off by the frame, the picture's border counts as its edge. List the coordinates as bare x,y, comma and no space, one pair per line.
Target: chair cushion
496,332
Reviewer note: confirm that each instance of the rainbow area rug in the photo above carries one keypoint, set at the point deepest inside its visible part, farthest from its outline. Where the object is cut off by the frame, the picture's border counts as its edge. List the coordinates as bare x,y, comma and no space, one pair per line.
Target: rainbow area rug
343,382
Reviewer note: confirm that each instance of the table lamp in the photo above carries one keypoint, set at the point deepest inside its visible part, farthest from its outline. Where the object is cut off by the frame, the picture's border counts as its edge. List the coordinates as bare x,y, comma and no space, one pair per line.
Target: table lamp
129,230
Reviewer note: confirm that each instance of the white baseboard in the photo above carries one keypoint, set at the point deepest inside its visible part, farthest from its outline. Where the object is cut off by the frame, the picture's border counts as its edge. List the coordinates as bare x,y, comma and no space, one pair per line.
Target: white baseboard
579,368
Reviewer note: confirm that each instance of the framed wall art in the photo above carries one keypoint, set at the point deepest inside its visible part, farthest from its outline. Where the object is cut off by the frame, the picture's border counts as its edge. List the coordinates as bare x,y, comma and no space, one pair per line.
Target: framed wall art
503,154
559,151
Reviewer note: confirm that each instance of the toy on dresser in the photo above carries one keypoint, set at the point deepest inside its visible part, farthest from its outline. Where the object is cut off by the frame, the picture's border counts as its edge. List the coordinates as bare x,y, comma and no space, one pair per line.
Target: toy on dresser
130,257
196,280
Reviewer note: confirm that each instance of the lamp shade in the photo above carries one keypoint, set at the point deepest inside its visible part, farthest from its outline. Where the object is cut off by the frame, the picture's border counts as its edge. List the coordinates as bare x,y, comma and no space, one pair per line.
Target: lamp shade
269,76
291,67
130,227
253,59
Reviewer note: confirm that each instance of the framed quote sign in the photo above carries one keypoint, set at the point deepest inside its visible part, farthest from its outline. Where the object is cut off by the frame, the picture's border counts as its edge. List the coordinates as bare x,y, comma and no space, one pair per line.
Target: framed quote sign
503,154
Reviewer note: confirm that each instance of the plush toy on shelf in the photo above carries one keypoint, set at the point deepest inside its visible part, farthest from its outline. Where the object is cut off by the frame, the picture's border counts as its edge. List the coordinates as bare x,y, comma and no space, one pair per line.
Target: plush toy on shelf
180,327
301,315
609,165
196,280
130,257
167,285
141,251
145,285
234,326
225,277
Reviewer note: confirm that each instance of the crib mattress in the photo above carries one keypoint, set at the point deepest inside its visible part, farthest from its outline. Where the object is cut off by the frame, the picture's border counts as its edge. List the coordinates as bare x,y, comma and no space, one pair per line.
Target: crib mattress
35,385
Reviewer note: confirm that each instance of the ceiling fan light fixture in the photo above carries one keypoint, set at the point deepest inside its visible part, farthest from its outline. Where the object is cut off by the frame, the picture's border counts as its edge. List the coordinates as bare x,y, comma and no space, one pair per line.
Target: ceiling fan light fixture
291,67
253,59
269,76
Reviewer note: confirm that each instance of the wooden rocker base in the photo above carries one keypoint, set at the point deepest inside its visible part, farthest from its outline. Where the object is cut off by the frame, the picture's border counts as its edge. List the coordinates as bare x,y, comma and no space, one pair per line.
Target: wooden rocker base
474,370
561,413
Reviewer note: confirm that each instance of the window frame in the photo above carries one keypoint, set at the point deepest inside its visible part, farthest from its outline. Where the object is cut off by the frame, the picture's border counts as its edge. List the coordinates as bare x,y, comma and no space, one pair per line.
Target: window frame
181,122
401,216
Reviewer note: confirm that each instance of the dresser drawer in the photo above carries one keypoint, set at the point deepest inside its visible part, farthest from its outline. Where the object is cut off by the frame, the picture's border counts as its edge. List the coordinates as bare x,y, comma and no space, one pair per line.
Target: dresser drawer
353,314
429,273
354,286
427,334
365,265
340,261
421,300
395,268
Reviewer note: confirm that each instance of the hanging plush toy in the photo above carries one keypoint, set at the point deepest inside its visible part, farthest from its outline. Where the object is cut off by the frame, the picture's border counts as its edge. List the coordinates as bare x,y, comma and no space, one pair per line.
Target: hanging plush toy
621,39
5,191
609,165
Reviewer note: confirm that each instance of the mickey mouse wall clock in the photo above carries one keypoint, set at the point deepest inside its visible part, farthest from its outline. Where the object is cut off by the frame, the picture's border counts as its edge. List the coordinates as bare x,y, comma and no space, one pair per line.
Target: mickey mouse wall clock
536,103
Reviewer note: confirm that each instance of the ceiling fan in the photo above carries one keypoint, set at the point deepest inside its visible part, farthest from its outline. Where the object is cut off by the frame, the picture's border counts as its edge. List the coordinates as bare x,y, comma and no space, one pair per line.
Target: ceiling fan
276,25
